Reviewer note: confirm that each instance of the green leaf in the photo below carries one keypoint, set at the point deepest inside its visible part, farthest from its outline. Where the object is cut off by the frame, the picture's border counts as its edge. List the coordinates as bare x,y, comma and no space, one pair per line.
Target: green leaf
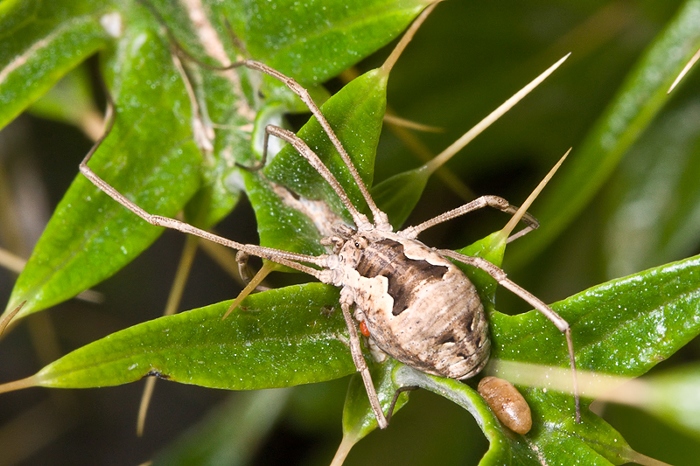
280,225
355,113
69,101
492,248
640,98
42,41
358,418
655,206
641,320
151,156
505,447
549,442
623,327
311,42
216,175
279,338
90,236
398,195
216,440
287,329
337,34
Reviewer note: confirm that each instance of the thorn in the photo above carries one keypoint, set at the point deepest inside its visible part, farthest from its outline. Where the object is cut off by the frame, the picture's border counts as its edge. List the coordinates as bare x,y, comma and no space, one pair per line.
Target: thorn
684,71
531,198
8,318
406,39
469,136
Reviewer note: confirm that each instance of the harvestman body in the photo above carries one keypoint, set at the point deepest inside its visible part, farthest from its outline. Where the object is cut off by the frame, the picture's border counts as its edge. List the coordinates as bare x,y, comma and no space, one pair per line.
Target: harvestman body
409,299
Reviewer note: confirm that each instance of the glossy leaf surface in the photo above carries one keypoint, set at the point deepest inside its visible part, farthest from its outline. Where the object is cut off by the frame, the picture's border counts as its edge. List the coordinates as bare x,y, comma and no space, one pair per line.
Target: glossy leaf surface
42,41
161,144
139,158
279,338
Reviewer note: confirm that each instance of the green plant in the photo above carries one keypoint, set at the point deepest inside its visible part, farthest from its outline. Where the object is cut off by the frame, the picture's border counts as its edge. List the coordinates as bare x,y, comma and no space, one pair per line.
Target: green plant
623,327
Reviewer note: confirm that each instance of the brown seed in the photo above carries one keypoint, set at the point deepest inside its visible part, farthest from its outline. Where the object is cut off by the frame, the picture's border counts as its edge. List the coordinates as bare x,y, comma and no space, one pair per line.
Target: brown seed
507,403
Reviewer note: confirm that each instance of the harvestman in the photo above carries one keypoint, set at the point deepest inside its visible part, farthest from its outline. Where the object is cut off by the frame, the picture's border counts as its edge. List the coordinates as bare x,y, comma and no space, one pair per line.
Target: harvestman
410,300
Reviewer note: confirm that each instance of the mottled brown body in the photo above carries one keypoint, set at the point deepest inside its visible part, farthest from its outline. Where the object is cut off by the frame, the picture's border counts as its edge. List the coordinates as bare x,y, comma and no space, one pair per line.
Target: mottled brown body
418,307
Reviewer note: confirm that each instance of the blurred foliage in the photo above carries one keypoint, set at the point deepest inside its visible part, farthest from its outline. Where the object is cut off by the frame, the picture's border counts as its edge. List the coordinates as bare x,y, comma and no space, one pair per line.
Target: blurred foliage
466,60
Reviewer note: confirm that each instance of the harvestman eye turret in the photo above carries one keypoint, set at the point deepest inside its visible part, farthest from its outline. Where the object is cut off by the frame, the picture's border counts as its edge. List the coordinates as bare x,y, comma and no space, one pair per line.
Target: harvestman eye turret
409,300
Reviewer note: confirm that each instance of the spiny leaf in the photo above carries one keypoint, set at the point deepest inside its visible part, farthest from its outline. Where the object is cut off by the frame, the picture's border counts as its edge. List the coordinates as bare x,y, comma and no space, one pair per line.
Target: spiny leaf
337,34
152,138
279,338
41,42
358,418
356,114
623,327
90,236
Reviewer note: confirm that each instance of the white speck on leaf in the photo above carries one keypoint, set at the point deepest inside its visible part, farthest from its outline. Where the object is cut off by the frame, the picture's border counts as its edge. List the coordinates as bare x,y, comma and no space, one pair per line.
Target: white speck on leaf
112,23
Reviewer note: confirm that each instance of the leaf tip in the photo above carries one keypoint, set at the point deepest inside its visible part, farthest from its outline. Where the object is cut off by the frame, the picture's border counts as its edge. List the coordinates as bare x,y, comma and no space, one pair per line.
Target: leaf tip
9,316
505,232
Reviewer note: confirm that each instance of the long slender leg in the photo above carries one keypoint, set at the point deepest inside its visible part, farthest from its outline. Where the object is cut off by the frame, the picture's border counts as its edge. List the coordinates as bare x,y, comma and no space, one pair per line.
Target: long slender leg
313,159
380,218
500,276
244,271
394,400
361,365
289,259
484,201
305,151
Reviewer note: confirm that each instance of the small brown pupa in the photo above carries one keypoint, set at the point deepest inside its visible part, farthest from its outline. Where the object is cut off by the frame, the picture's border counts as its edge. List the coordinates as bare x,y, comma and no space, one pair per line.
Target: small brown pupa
507,403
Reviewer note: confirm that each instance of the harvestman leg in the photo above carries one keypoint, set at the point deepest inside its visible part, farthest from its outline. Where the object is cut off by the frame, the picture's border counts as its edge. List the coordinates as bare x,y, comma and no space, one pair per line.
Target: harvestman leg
360,220
278,256
382,221
244,270
360,364
500,276
289,259
411,232
305,151
281,257
345,302
380,218
293,260
484,201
